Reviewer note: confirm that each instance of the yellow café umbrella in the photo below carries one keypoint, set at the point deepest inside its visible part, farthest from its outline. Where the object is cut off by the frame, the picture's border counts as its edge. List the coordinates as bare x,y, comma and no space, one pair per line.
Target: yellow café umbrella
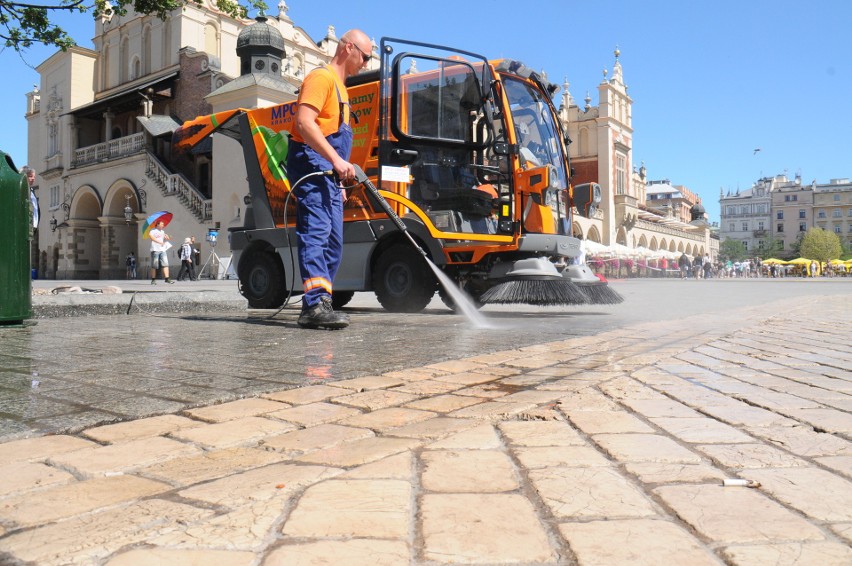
800,261
773,261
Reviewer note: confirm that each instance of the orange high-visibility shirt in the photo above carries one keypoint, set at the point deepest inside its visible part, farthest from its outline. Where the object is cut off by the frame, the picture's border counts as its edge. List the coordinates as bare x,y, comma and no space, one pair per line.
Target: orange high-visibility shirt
318,91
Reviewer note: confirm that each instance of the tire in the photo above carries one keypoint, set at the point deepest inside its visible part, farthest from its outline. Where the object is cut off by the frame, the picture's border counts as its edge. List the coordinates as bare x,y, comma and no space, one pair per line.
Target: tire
340,299
262,280
402,280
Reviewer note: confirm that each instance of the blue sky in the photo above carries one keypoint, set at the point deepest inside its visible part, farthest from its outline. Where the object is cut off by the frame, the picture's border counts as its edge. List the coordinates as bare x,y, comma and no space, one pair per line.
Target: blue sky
710,81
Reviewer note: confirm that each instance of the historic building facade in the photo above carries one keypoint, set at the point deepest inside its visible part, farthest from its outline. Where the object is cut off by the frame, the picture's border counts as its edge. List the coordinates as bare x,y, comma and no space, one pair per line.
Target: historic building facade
781,210
100,125
602,151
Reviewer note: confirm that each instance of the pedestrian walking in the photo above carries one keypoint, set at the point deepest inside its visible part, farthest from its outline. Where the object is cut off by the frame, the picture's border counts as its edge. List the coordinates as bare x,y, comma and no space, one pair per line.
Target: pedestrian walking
159,246
187,268
130,261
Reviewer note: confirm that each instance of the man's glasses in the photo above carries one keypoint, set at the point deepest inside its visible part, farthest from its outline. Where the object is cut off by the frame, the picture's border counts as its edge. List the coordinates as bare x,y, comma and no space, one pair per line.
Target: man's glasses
364,56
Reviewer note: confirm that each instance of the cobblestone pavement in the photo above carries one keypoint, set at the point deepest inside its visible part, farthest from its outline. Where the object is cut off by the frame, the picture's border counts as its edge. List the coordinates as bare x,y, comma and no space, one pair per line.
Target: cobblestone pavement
608,449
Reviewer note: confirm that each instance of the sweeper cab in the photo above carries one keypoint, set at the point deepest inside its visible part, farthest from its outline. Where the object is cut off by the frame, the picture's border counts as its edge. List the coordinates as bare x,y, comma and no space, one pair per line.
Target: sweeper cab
469,153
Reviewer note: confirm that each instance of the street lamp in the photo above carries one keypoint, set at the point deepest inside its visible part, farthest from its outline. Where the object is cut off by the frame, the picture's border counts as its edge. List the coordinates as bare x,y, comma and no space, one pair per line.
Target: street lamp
128,212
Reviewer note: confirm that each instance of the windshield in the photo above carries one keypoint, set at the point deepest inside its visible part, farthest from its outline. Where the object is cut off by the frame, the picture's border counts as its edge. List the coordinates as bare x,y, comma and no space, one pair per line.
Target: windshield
535,128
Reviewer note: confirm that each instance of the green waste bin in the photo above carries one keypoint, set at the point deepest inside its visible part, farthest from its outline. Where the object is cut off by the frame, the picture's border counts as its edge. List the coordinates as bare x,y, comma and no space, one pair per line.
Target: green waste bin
15,233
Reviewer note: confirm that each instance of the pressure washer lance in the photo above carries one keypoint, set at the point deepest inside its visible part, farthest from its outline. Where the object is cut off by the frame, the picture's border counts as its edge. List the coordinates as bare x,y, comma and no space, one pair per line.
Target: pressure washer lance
362,178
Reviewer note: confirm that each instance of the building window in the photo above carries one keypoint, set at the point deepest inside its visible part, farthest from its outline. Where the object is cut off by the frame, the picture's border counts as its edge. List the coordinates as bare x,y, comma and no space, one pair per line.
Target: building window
821,214
836,213
760,225
849,212
780,227
54,197
731,227
836,197
760,244
780,215
745,226
795,198
837,228
620,174
730,210
802,227
801,213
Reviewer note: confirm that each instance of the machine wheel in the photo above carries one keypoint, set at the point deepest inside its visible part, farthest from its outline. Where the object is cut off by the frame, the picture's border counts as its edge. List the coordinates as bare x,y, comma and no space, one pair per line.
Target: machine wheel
340,299
450,303
262,280
402,280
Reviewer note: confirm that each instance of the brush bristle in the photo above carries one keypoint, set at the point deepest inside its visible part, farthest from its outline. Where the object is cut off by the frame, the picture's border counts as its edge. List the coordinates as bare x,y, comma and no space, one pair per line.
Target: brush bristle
600,294
545,292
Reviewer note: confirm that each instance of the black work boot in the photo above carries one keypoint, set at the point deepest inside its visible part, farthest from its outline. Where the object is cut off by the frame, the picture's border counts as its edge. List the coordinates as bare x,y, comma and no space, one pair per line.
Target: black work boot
322,315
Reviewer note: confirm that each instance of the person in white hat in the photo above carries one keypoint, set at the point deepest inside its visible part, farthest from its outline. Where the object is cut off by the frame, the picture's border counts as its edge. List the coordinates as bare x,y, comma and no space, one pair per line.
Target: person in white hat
187,268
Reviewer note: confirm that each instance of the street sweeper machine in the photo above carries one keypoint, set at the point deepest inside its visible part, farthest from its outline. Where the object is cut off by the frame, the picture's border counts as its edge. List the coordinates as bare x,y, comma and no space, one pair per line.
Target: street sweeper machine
468,153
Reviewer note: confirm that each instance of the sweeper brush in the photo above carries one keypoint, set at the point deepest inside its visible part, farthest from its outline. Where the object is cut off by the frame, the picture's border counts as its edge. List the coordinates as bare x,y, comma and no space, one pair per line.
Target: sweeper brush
534,281
596,290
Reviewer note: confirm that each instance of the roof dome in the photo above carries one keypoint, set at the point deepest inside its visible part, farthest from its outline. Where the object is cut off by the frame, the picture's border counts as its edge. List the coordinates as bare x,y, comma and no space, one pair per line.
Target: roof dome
697,212
260,36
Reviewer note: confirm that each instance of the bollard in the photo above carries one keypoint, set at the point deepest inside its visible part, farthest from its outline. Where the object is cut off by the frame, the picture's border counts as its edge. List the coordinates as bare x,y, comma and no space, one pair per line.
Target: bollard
15,233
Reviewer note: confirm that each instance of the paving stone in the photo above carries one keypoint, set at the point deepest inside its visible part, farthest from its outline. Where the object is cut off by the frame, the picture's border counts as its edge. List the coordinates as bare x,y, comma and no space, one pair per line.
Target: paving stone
315,413
180,557
456,366
461,471
131,430
493,390
384,419
492,410
843,530
433,429
660,408
261,484
467,378
375,399
596,422
362,508
587,400
842,464
236,410
396,467
314,438
541,433
427,387
567,384
444,403
645,448
354,552
75,498
814,492
122,457
803,440
482,437
636,542
34,449
304,395
750,456
359,452
368,382
246,430
25,476
245,528
471,529
701,430
552,456
829,420
735,514
822,553
653,472
573,493
742,414
85,539
531,396
210,465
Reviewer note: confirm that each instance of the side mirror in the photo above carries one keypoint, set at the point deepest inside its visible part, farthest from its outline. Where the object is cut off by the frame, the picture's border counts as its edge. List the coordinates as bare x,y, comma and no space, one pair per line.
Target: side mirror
586,198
